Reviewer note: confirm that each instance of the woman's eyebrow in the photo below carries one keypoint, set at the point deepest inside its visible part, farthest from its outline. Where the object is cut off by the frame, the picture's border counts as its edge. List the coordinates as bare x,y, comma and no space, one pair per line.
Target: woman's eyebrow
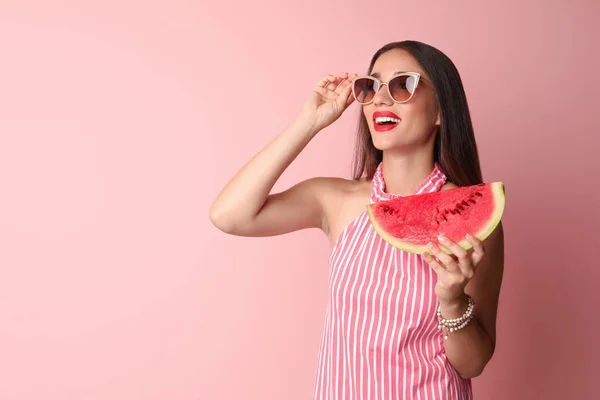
378,75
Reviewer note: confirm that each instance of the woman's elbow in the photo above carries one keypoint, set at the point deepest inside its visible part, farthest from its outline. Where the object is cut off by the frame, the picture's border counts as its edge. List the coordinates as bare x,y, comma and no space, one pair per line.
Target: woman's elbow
221,221
474,373
475,369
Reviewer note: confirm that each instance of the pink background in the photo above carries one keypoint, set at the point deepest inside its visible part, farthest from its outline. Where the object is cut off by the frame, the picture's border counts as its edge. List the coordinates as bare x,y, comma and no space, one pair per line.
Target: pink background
120,123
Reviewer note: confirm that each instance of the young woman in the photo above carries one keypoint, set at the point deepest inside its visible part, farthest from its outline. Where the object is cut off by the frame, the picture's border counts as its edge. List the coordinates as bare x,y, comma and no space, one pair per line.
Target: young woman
382,336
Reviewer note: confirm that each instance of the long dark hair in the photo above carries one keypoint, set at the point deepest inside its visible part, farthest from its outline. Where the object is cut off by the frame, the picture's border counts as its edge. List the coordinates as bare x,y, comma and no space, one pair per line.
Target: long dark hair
455,149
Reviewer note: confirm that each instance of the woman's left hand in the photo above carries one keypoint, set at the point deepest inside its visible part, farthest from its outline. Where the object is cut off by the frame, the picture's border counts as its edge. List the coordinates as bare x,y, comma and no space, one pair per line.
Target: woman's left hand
454,270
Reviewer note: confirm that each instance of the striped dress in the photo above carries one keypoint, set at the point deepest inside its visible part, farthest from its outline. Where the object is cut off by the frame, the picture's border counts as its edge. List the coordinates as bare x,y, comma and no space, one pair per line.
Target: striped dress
381,339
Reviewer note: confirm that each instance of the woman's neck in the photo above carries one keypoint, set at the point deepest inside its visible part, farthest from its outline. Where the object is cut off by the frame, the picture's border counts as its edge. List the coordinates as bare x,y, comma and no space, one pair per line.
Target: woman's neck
403,173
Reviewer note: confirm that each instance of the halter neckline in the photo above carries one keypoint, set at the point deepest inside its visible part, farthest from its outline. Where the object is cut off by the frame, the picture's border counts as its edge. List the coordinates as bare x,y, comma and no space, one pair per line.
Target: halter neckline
432,183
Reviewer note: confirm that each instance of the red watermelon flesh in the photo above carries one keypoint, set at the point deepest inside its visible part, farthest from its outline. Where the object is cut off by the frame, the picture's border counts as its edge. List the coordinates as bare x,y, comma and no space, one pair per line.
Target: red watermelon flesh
410,222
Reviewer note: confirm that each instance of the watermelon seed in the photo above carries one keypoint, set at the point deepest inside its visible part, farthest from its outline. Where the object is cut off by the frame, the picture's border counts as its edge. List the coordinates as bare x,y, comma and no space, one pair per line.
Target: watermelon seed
445,219
478,194
473,201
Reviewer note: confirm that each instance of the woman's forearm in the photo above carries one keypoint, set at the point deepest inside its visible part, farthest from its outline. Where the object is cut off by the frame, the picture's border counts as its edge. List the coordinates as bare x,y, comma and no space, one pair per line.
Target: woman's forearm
468,349
243,197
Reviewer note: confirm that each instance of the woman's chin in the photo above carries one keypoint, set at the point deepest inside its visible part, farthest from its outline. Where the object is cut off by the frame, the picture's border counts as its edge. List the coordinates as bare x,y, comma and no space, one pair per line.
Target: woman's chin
387,144
383,142
398,146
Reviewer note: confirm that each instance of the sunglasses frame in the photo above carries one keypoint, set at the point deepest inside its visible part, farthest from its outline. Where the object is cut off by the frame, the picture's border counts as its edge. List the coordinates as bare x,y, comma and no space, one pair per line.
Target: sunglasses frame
381,83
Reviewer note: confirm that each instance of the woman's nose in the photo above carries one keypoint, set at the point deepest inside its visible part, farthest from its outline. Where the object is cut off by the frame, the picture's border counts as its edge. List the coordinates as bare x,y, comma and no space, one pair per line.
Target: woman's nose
382,97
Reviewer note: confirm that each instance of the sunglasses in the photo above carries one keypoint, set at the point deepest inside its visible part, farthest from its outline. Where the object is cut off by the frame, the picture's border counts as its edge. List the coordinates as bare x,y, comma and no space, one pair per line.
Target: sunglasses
401,87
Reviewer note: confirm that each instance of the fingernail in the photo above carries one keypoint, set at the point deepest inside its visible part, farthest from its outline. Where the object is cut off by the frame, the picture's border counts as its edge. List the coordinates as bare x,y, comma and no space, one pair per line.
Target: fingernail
469,236
431,245
441,238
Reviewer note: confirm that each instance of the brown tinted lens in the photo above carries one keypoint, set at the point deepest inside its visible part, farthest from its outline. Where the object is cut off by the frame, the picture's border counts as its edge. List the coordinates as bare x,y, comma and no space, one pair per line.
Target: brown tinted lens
402,87
364,90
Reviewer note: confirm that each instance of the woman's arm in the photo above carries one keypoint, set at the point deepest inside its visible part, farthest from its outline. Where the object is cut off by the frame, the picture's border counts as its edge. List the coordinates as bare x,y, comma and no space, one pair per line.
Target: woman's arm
245,206
470,349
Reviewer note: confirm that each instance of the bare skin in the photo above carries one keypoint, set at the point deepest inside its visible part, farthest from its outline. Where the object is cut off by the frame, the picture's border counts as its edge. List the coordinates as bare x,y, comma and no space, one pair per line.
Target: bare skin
246,206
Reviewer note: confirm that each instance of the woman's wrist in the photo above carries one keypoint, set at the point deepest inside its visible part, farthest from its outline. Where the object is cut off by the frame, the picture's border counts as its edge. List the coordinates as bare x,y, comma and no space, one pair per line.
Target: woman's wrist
454,316
308,122
454,308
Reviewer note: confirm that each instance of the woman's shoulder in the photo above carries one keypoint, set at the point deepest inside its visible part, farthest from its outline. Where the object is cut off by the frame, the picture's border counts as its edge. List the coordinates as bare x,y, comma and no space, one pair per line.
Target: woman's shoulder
344,201
334,192
337,193
341,187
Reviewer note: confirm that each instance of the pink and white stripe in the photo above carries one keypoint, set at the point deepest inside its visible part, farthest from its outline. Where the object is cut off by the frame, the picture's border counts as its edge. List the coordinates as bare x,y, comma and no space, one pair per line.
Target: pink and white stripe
380,339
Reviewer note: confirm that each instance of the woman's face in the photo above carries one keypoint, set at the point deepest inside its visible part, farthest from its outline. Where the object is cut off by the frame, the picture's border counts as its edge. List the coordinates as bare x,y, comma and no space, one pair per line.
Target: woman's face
419,117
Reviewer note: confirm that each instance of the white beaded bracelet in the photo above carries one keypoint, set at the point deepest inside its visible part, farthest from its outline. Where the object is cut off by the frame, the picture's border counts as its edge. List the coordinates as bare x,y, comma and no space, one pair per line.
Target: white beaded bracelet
452,325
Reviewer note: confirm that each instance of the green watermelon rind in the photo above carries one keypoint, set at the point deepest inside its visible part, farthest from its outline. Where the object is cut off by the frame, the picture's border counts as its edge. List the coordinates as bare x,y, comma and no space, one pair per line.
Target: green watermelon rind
497,189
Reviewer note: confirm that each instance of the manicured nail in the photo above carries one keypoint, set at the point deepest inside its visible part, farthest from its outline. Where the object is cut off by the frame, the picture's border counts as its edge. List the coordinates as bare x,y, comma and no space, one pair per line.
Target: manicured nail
431,245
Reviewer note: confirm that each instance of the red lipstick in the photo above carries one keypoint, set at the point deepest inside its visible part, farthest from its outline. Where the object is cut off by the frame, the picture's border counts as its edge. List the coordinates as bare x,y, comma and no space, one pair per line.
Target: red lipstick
385,121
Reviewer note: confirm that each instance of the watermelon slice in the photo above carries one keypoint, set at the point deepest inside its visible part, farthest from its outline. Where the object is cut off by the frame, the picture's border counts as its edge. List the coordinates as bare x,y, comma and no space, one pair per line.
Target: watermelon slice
410,222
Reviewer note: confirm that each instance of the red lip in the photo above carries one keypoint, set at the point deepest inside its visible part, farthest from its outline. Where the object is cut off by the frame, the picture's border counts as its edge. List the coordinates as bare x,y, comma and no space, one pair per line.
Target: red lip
384,114
383,128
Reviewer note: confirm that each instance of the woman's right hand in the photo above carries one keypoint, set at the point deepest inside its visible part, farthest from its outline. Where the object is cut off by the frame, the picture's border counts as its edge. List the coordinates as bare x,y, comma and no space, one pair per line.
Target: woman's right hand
328,100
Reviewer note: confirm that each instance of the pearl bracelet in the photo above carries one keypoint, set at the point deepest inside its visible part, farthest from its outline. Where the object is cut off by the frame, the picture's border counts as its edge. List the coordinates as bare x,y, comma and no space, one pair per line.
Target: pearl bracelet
451,325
